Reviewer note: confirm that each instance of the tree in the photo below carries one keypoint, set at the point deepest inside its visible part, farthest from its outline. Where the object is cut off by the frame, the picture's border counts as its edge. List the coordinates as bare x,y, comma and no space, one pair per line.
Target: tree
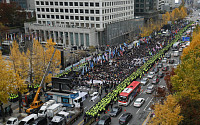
183,12
167,114
3,30
19,63
6,83
167,79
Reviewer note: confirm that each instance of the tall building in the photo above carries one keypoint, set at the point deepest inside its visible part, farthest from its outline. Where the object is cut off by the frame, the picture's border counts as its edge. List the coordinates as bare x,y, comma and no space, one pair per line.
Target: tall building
146,8
83,22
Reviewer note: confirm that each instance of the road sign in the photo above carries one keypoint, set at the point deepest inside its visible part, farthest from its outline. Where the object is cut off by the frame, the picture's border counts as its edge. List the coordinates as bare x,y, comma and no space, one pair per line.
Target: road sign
185,38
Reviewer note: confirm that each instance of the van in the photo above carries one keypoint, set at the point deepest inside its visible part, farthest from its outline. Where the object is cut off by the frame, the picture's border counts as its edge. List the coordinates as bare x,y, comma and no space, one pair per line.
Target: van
176,53
39,121
27,120
54,109
43,110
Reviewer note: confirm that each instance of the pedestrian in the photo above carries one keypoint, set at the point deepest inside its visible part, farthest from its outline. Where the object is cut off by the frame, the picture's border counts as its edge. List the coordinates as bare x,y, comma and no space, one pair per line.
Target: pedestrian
111,104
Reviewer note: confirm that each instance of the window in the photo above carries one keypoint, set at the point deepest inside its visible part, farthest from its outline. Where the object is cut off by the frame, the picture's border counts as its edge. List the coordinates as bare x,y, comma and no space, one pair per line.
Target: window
97,4
86,3
56,3
72,17
52,16
137,10
47,9
71,10
76,3
57,16
81,3
141,5
76,17
137,5
97,11
39,16
86,11
66,10
37,3
66,17
43,16
46,3
76,10
82,18
61,3
92,11
66,3
97,19
97,25
91,4
42,9
141,10
42,2
52,10
61,10
81,10
86,18
70,3
51,3
38,9
62,17
91,18
56,10
48,16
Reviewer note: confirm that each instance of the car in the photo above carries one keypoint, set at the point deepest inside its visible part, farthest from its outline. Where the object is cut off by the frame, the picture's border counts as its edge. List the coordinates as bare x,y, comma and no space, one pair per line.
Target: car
160,65
94,98
168,55
39,121
144,81
151,75
176,53
160,74
156,70
150,89
125,118
175,66
165,68
115,111
164,60
139,102
12,121
105,120
94,94
171,61
155,80
180,49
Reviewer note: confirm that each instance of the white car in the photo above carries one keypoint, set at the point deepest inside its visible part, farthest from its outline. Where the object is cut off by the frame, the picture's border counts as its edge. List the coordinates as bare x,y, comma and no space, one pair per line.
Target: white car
164,60
94,94
180,49
12,121
139,102
151,75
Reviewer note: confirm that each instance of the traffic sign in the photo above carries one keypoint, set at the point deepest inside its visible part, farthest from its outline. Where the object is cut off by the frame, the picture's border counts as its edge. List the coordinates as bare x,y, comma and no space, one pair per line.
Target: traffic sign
185,38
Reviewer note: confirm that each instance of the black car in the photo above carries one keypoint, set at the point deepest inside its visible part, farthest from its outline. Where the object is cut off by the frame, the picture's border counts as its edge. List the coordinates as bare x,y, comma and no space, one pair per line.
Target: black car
171,61
39,121
105,120
160,74
165,68
125,118
115,111
160,65
168,56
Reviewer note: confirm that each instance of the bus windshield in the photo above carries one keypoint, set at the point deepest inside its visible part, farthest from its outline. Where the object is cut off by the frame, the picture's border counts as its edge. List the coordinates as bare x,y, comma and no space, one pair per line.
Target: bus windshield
123,98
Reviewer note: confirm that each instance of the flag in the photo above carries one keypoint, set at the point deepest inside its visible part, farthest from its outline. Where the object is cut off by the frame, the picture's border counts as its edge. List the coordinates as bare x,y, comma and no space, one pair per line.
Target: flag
120,47
121,53
109,53
83,70
86,69
21,38
11,37
154,50
103,57
143,60
125,45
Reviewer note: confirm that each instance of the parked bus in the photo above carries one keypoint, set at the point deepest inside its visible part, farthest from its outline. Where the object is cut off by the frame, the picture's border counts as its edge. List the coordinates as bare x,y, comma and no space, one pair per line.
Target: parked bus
129,93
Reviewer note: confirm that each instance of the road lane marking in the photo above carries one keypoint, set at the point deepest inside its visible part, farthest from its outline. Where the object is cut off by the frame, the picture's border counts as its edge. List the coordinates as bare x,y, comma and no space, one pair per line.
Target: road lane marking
147,104
80,122
138,110
132,103
147,99
85,107
140,93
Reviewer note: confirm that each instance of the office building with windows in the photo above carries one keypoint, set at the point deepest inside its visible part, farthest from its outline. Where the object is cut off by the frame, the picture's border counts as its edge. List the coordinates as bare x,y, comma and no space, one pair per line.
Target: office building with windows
81,22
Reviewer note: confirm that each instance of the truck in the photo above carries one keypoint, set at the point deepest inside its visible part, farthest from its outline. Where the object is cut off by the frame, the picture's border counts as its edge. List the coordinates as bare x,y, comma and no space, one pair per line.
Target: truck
67,118
54,109
43,110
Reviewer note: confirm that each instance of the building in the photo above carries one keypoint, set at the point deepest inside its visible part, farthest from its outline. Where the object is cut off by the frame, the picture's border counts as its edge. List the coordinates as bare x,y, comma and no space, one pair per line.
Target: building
83,22
146,8
25,4
160,3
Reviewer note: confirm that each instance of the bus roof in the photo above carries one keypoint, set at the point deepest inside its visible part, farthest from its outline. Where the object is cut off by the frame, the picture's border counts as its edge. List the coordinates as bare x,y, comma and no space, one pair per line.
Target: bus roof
129,89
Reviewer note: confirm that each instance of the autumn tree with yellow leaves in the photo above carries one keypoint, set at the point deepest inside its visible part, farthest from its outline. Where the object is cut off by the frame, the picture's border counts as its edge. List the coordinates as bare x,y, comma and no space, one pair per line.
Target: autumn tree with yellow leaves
167,114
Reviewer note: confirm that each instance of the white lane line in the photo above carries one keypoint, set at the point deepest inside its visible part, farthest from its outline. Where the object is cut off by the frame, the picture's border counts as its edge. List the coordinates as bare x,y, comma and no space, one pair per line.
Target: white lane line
138,110
147,99
148,84
147,105
85,107
140,93
132,103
